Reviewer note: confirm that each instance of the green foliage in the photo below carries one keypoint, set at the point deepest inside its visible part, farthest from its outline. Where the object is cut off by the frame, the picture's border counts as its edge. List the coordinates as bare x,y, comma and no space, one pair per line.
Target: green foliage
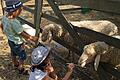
85,10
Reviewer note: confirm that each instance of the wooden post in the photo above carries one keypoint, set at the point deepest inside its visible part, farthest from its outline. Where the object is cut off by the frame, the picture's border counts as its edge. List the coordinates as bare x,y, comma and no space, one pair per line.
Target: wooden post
37,16
2,6
65,24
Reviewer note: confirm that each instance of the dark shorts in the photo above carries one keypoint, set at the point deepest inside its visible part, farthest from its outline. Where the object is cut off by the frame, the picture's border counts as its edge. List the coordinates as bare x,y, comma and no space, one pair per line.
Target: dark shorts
17,50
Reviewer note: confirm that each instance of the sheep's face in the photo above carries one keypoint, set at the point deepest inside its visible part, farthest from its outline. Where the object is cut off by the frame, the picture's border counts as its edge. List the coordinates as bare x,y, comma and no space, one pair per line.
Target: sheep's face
91,52
46,35
49,30
87,56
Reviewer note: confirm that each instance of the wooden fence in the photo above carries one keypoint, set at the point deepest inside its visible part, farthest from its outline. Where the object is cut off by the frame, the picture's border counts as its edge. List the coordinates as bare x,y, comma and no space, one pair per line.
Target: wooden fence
73,31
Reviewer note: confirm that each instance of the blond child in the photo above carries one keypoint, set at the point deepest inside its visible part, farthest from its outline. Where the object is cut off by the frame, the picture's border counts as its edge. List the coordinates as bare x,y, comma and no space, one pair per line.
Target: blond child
15,33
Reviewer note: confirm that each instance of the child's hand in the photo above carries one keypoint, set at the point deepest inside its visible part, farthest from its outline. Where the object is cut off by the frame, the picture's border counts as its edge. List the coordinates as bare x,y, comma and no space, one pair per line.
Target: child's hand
33,38
49,69
23,46
71,66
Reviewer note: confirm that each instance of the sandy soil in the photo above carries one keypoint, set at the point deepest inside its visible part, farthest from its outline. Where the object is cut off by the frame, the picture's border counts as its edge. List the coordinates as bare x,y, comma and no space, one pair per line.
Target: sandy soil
7,72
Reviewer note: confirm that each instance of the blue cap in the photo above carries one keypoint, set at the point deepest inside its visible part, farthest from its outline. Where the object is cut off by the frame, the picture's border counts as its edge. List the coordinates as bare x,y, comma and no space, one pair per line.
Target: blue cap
12,5
39,54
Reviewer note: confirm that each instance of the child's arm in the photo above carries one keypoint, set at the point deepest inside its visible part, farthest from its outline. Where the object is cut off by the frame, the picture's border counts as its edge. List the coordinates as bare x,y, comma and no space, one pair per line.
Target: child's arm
47,78
28,37
70,70
1,27
18,28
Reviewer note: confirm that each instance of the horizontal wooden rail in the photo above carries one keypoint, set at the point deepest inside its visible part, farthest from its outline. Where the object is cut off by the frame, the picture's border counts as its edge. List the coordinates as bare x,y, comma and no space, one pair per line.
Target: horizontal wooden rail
99,36
111,6
110,70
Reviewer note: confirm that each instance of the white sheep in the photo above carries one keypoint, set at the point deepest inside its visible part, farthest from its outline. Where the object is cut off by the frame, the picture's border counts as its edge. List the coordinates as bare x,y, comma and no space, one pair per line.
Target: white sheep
100,51
102,26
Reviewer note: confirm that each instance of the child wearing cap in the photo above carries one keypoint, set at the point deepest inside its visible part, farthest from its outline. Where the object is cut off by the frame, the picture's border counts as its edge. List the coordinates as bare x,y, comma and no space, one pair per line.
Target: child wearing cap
42,68
15,33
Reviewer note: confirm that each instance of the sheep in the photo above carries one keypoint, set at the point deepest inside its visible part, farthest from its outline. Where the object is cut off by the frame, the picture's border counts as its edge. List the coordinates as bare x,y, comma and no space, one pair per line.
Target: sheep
90,52
100,51
49,29
102,26
105,27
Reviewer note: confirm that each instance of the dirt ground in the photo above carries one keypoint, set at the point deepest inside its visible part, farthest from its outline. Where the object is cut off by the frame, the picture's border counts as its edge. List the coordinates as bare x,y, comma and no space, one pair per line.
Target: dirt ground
7,72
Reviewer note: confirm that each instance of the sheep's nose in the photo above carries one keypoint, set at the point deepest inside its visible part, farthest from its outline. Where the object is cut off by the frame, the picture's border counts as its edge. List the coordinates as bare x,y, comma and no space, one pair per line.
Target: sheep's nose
82,62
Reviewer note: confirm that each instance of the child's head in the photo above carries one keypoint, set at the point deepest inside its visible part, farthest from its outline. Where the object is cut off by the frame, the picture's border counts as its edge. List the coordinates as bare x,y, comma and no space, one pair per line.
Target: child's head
13,7
40,57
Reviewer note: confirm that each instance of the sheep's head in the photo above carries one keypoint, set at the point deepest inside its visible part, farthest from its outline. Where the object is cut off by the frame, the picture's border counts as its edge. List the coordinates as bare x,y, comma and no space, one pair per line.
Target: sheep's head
92,52
46,35
47,32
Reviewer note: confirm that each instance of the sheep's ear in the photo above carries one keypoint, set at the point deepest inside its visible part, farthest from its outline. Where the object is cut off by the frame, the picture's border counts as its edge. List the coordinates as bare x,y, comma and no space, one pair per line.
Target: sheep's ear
96,63
50,37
